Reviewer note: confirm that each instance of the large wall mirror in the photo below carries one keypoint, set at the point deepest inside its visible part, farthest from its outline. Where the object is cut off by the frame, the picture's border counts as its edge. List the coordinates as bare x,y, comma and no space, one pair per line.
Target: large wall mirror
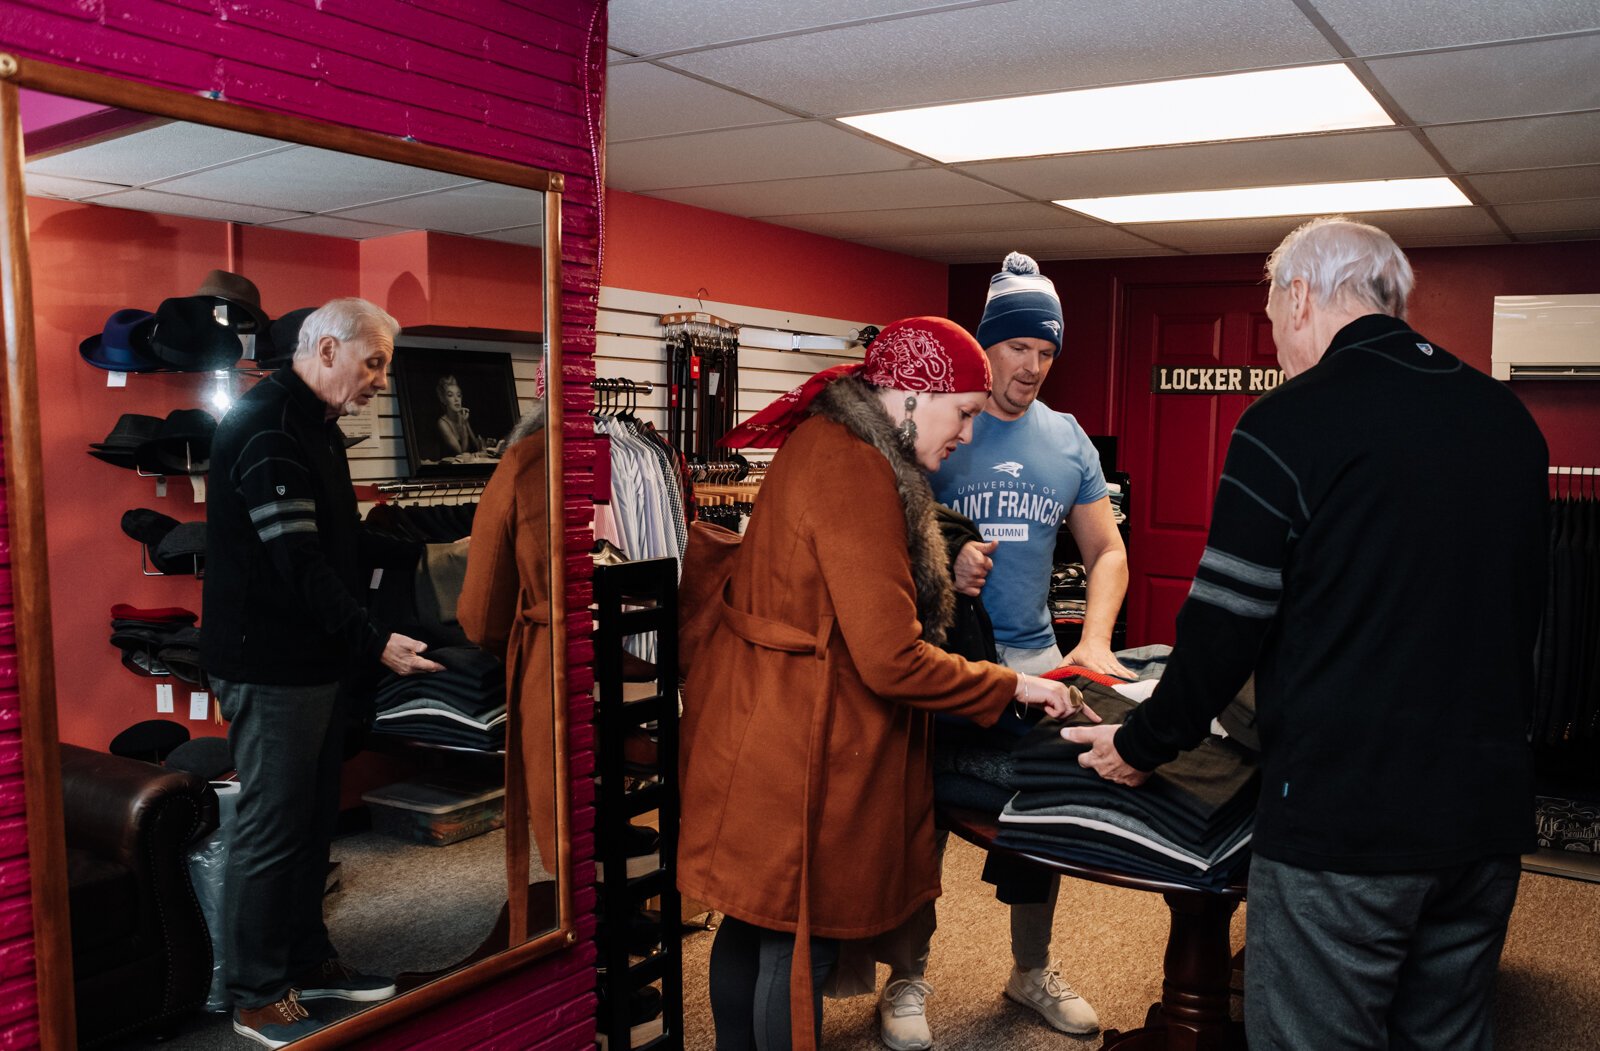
450,861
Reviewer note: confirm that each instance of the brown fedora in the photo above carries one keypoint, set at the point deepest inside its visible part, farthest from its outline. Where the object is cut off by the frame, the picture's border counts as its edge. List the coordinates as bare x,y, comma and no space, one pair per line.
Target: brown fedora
238,290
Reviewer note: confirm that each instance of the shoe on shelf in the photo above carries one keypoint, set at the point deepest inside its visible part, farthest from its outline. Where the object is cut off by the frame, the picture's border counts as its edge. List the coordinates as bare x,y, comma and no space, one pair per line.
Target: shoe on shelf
281,1022
334,980
902,1015
1045,992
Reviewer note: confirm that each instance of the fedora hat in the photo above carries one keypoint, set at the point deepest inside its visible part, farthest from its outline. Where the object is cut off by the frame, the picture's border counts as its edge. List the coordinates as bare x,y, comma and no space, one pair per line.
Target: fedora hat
239,291
182,445
201,333
123,345
283,337
131,431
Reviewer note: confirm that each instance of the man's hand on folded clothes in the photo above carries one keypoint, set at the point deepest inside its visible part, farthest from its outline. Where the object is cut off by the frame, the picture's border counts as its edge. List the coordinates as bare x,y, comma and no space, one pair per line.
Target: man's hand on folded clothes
1102,756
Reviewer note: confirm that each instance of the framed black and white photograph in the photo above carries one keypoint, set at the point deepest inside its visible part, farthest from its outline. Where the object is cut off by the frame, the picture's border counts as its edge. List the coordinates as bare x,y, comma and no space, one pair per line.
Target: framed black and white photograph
456,408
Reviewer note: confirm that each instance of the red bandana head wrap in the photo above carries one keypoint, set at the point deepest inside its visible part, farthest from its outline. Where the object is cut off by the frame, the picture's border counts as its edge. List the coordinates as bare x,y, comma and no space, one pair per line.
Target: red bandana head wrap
922,354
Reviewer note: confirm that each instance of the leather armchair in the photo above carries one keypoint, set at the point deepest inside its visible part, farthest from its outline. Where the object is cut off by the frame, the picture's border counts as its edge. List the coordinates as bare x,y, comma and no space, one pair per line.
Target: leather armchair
141,953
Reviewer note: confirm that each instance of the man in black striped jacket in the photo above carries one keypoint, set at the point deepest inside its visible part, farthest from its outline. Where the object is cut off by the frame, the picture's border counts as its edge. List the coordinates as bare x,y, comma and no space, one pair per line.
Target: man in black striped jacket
1377,557
285,556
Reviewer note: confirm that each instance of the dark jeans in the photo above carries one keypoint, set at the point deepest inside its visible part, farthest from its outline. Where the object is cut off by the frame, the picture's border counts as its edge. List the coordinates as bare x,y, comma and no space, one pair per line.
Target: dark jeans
750,985
1375,961
287,744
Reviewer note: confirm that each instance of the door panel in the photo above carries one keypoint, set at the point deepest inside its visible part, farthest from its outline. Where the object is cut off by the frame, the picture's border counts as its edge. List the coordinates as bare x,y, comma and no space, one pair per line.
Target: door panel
1176,443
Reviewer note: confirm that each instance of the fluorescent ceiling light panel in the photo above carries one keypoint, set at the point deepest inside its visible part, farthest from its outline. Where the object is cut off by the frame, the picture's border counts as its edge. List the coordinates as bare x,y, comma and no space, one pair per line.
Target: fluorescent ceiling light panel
1378,195
1199,109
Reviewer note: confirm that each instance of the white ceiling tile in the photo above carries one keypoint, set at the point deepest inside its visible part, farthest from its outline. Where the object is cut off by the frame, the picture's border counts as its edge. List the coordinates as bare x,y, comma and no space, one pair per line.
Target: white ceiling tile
1562,235
1450,240
1389,154
1543,184
1543,76
1552,215
1377,26
518,235
1265,233
1011,48
194,207
779,151
1101,253
1041,244
1534,142
979,218
922,188
462,210
312,180
155,153
37,185
650,26
331,226
645,101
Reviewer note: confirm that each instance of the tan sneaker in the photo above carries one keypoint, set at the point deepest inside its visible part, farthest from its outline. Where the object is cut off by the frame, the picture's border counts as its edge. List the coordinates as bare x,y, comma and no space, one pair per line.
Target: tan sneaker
281,1022
902,1015
1045,992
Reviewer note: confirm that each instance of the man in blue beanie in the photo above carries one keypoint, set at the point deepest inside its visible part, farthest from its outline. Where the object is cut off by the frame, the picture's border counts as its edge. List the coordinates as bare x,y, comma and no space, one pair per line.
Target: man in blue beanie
1026,469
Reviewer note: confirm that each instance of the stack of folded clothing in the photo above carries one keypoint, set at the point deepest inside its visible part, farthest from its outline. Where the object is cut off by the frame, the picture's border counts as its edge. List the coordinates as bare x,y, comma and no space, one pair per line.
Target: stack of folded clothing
463,706
1188,824
158,642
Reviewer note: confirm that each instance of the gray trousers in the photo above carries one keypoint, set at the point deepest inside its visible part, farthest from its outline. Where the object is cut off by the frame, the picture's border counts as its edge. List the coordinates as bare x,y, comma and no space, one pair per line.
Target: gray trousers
287,744
1374,961
905,949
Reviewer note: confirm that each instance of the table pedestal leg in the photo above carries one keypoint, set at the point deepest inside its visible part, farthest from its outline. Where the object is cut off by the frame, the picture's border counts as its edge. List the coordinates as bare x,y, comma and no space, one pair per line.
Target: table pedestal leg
1193,1012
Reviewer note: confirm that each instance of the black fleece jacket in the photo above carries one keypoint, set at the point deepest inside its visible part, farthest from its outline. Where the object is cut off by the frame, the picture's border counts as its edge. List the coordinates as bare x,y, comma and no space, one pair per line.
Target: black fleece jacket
1377,556
286,554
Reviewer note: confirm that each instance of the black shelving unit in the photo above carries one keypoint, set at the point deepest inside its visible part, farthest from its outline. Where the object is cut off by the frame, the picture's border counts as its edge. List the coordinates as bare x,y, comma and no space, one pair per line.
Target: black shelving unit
633,598
1068,632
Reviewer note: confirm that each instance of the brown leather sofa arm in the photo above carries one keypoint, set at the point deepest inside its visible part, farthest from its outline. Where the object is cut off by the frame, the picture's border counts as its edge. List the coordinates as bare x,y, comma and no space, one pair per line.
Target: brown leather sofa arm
109,802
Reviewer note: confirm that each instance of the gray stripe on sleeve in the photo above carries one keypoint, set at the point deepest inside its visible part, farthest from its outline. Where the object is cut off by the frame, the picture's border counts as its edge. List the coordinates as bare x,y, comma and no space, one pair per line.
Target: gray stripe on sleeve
294,525
1232,601
281,507
1242,570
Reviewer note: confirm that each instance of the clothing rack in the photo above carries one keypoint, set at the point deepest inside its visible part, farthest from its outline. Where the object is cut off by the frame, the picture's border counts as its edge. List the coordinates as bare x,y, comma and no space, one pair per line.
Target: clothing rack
427,490
610,393
702,381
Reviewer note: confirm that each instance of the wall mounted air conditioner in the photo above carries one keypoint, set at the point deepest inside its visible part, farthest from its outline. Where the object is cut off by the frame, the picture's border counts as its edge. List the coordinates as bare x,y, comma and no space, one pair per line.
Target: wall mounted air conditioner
1546,338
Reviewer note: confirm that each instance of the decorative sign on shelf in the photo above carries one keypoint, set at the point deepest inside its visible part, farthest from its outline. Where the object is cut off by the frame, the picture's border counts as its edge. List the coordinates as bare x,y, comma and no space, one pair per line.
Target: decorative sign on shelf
1222,379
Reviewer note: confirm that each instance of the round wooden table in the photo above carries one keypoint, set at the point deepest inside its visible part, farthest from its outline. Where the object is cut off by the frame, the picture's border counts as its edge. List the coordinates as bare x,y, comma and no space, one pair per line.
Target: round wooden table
1192,1014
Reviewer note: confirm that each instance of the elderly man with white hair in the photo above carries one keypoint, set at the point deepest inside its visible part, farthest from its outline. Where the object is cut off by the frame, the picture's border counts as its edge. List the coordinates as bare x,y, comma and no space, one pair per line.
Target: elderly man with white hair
1392,679
285,567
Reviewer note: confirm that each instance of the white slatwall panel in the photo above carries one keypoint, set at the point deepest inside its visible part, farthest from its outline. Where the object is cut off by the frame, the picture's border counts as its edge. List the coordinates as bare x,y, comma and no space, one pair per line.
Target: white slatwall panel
629,344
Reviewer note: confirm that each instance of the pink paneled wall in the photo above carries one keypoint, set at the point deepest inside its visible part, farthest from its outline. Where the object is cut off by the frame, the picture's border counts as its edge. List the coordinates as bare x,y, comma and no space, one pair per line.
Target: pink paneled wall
522,80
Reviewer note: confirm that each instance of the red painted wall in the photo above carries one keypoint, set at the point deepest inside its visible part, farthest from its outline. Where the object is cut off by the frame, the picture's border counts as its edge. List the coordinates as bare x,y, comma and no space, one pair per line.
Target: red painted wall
677,249
521,80
1452,304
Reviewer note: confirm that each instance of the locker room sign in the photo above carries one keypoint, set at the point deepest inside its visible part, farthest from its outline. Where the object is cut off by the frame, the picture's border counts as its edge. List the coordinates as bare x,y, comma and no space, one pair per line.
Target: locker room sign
1224,379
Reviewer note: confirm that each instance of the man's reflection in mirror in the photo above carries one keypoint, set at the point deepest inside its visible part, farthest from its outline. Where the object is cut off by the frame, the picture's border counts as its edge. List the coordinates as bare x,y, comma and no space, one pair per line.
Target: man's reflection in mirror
283,627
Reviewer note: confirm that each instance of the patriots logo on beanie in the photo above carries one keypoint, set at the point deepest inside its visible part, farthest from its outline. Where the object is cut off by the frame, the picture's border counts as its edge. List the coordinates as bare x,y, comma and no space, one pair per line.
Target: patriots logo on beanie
1022,303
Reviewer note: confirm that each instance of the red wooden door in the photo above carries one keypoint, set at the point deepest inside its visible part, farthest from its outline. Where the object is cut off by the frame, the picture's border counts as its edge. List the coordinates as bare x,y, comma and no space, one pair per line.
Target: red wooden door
1175,443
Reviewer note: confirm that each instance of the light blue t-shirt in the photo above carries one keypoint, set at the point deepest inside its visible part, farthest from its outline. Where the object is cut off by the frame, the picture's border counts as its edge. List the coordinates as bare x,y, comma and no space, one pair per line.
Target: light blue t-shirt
1017,479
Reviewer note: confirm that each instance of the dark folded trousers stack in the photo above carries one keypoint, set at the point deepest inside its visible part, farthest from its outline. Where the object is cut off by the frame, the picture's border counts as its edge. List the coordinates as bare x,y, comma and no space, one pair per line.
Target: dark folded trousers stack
1188,824
463,706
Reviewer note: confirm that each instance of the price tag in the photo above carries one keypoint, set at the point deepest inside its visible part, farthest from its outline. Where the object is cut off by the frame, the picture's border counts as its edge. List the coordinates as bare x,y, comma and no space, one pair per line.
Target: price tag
712,383
199,705
116,379
198,481
161,485
694,367
377,579
164,698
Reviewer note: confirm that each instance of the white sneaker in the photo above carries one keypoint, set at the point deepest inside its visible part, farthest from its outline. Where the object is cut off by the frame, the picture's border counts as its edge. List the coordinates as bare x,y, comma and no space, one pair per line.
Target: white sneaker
902,1015
1045,992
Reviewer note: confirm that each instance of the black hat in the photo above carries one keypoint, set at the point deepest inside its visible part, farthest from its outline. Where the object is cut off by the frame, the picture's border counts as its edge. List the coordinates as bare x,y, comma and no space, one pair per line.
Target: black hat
283,339
201,333
123,345
145,663
132,430
206,757
181,446
181,655
150,740
183,549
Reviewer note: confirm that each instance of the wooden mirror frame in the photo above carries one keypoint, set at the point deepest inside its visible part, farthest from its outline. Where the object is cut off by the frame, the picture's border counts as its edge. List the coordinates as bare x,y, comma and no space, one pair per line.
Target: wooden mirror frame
24,479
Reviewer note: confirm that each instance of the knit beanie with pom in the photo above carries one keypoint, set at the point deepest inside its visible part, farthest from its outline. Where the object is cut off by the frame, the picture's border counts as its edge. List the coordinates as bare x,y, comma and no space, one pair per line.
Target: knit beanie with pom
1022,302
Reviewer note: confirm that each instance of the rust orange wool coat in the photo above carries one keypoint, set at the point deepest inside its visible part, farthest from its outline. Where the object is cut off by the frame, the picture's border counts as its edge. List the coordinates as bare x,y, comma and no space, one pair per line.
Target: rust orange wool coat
505,608
806,773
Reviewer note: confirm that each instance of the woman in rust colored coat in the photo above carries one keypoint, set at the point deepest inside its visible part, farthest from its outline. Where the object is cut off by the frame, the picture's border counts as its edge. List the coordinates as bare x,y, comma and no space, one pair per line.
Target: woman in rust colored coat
806,780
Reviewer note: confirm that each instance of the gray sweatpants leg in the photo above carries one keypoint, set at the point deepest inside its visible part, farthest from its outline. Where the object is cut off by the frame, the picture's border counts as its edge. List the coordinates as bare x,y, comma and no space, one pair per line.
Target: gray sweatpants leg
286,744
1375,961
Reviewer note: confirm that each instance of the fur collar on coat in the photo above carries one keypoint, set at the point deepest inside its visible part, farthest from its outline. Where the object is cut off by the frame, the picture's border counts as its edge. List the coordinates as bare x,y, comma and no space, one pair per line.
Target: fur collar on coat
853,404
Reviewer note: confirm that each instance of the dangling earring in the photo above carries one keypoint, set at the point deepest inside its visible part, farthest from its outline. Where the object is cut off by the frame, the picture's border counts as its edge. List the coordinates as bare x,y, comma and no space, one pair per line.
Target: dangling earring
908,427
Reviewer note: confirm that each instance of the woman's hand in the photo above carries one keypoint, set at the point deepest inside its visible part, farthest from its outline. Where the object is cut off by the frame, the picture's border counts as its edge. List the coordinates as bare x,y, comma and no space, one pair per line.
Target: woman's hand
1058,700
